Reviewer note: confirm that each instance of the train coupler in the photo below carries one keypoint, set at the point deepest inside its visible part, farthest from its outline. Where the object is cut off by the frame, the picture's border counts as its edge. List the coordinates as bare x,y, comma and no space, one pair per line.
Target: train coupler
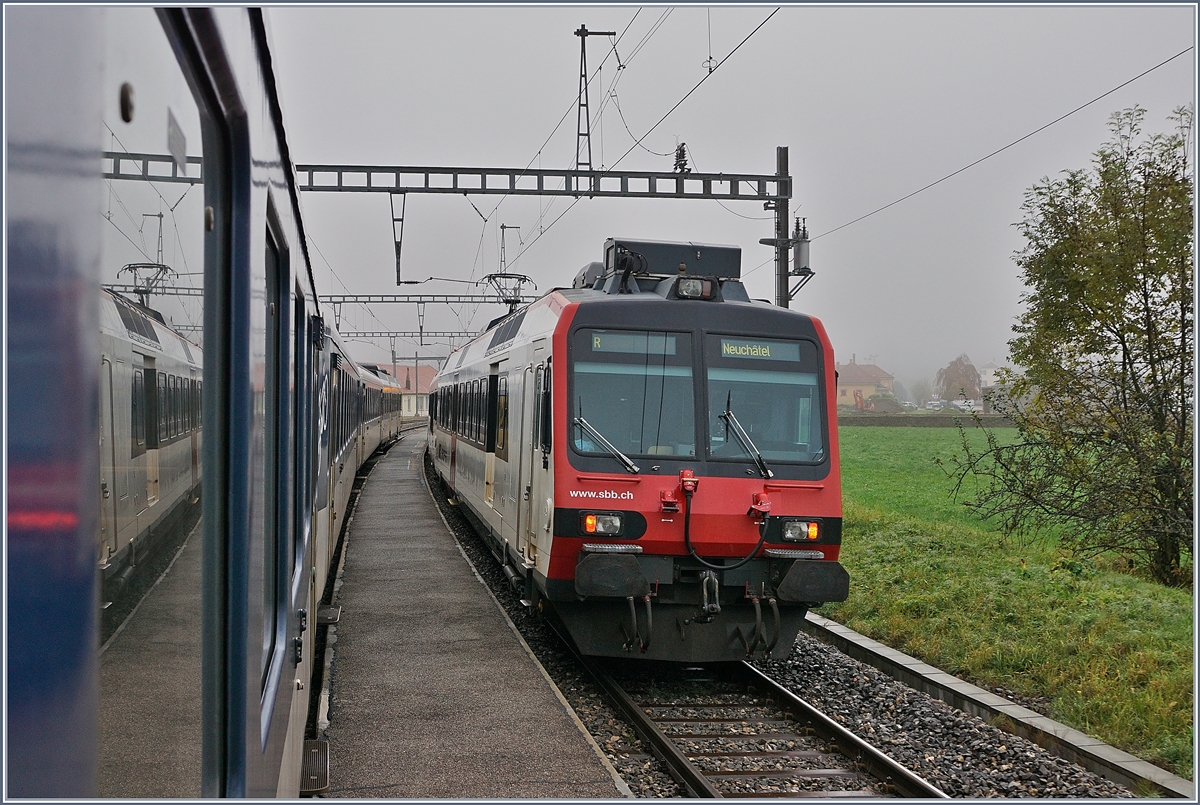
633,635
710,597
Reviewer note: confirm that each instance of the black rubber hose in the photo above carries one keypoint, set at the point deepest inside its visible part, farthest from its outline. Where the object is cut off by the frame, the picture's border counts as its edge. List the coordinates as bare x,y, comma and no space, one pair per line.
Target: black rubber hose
687,540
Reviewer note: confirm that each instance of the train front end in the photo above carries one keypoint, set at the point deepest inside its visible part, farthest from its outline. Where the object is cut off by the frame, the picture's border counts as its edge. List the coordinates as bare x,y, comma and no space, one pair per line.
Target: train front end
697,497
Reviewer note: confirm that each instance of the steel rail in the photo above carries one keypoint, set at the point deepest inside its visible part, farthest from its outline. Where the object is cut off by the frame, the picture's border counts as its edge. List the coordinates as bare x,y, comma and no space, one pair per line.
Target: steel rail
871,760
682,769
906,782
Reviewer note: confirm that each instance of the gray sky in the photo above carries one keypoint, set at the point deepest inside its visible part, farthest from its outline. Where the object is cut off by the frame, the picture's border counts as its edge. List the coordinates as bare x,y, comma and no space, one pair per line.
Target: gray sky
873,102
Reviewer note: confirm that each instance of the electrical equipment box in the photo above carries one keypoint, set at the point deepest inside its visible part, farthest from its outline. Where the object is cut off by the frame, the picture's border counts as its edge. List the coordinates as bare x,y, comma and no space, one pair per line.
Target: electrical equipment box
664,258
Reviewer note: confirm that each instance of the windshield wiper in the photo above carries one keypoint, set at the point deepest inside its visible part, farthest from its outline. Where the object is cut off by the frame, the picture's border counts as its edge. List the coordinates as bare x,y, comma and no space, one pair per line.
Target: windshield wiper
607,445
732,424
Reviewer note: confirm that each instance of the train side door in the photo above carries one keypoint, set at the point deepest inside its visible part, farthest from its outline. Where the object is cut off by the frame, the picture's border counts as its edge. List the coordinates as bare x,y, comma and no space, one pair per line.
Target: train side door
156,397
144,425
532,470
542,503
522,384
108,461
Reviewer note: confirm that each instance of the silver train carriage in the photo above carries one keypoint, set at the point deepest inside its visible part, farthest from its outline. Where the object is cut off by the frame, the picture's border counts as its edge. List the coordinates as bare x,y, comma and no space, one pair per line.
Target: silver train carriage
150,434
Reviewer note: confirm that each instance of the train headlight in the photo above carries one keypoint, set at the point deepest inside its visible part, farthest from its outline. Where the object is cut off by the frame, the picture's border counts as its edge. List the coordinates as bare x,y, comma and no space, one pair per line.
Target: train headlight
800,530
694,288
601,523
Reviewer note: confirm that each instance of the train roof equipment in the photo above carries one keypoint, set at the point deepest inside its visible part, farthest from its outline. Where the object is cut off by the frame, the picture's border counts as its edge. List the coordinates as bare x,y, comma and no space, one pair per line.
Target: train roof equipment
672,270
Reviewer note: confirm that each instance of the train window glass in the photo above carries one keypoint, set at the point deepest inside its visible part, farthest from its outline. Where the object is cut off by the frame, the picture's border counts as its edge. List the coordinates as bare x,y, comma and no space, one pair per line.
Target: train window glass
173,405
137,421
502,418
547,410
635,388
279,482
537,404
772,387
150,227
491,414
478,409
161,399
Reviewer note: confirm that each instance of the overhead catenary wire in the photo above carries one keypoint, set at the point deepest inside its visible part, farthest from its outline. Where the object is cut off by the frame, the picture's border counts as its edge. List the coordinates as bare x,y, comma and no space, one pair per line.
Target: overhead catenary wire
1005,148
997,151
655,126
609,93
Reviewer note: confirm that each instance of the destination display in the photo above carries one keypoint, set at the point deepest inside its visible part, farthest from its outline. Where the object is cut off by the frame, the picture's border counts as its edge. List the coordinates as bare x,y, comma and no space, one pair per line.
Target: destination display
634,343
760,349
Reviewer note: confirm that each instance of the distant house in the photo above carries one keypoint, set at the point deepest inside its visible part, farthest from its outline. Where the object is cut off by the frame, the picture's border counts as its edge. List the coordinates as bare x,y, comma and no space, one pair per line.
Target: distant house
865,378
414,394
987,374
414,399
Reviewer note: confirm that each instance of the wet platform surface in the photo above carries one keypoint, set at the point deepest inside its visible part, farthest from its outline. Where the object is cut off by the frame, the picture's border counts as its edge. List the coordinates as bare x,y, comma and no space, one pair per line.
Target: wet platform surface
150,711
431,693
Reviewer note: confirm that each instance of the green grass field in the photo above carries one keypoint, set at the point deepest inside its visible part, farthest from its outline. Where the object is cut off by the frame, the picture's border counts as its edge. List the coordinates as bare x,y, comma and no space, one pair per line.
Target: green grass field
1112,652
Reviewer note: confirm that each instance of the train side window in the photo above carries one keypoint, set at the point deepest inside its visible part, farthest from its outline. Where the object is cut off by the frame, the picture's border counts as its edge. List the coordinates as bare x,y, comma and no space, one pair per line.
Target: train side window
173,407
279,492
478,411
547,409
161,399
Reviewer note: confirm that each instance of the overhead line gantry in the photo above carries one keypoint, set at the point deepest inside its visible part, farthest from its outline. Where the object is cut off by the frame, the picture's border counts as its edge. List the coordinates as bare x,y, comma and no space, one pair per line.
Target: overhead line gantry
774,191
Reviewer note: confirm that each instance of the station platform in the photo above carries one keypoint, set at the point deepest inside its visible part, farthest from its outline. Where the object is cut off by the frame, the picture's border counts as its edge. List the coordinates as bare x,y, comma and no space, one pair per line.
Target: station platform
431,694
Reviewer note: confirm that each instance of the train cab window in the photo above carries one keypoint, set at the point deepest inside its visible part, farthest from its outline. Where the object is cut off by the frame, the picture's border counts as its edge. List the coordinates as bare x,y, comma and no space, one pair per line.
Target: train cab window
772,388
634,387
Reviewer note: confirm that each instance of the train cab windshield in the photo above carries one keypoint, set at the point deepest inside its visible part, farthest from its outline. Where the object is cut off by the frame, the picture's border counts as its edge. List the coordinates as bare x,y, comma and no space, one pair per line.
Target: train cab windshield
636,389
771,386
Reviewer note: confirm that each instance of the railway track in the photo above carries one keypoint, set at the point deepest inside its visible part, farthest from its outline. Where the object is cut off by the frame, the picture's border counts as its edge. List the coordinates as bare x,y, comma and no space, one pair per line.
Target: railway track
730,731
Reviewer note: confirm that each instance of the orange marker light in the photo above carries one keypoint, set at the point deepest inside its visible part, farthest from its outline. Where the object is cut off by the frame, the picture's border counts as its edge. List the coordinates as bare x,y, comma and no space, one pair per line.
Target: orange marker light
589,523
812,530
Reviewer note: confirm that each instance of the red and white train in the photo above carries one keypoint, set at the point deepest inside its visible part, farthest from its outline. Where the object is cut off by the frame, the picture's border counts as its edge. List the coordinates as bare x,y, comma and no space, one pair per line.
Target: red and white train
652,456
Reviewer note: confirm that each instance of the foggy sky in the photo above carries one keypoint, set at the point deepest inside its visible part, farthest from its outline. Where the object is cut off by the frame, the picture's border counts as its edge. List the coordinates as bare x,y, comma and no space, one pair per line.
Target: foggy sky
872,102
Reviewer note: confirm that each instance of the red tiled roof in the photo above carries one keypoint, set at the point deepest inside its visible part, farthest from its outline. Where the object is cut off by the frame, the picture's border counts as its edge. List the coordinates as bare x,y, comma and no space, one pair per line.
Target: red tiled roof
424,376
861,374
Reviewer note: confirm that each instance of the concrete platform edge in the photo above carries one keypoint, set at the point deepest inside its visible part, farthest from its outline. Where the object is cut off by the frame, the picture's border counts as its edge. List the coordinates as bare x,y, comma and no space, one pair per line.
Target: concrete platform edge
1066,742
618,781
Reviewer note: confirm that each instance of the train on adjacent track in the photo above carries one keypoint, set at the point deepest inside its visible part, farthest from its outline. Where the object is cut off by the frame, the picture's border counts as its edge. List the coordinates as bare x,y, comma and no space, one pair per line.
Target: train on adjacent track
652,456
115,421
150,436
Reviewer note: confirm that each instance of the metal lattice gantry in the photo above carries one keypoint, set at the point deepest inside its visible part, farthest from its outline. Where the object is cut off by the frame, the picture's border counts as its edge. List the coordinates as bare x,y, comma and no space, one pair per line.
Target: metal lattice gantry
421,299
772,190
542,182
409,334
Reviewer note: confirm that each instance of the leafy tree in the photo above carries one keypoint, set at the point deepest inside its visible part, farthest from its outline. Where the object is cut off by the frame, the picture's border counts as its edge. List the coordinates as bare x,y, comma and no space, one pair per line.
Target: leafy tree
960,379
1103,407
